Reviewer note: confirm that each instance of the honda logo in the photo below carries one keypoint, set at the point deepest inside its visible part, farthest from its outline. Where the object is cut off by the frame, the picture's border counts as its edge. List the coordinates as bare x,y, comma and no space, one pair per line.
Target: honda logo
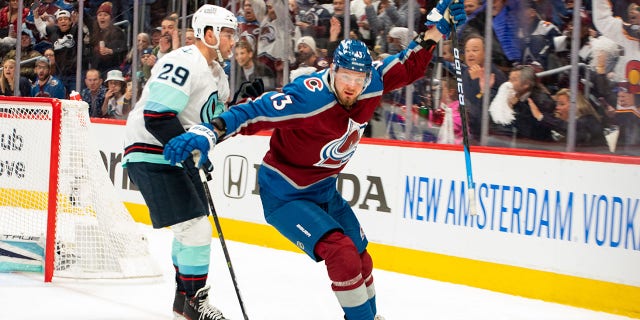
236,169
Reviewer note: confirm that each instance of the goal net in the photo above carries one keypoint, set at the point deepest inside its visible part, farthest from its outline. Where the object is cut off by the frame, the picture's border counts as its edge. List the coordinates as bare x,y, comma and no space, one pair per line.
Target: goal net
59,211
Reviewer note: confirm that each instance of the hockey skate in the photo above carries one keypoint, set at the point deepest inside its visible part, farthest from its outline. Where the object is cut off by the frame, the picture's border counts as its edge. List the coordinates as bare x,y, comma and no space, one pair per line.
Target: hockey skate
178,305
198,307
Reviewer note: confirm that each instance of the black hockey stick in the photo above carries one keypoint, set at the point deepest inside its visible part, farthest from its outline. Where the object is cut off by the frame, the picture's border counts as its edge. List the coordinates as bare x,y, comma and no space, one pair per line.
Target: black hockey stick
471,186
207,192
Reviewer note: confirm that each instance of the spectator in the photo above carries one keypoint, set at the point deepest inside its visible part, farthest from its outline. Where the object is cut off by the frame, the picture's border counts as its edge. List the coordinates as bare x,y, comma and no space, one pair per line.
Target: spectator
52,61
339,12
506,48
471,6
398,39
9,19
272,47
627,115
378,23
451,100
474,81
248,68
47,85
116,105
539,38
94,93
527,88
589,129
63,36
307,56
8,78
315,23
605,54
616,29
253,12
156,34
108,42
189,37
27,52
148,60
143,42
44,14
169,39
357,8
388,16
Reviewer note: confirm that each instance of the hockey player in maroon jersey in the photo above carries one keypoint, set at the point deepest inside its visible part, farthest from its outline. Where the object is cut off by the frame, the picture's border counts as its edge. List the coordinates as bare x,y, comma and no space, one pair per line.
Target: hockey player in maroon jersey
318,121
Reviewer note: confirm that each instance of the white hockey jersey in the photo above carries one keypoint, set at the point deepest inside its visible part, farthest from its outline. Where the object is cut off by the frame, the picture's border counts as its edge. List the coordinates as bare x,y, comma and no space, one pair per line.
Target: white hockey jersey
183,86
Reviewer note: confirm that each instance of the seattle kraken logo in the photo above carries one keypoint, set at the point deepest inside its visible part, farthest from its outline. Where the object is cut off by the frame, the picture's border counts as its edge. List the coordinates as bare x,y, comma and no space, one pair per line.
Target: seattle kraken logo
211,108
338,152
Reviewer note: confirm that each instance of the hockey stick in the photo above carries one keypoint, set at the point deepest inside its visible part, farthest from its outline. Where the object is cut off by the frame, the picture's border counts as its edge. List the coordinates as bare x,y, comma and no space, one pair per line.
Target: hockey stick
207,192
471,186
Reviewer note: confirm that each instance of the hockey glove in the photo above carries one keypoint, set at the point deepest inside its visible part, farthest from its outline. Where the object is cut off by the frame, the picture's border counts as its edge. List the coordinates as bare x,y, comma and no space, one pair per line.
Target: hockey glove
458,15
248,89
438,15
200,137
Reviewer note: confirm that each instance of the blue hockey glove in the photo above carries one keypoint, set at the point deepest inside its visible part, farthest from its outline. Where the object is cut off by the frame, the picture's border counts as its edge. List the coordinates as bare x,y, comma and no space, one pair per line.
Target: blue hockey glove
200,137
443,19
437,17
458,15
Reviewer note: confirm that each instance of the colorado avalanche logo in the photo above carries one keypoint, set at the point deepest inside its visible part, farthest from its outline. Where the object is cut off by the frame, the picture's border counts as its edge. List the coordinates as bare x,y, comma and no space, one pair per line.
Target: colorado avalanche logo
338,152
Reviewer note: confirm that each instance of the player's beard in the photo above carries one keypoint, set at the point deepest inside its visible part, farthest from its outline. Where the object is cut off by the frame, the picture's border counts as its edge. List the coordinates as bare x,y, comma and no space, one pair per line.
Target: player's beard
347,102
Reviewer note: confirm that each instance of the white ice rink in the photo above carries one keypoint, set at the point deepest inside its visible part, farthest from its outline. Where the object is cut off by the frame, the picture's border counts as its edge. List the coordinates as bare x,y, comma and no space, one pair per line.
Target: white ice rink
275,285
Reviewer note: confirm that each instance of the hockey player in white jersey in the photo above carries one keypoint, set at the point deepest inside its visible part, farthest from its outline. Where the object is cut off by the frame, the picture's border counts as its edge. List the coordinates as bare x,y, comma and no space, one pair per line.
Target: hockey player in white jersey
187,87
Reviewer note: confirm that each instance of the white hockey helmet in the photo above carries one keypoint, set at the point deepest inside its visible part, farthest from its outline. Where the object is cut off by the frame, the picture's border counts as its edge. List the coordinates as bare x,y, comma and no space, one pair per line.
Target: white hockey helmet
209,15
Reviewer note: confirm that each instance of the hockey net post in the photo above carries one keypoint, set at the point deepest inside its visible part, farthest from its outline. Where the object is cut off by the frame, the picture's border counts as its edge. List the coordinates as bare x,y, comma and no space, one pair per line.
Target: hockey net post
59,211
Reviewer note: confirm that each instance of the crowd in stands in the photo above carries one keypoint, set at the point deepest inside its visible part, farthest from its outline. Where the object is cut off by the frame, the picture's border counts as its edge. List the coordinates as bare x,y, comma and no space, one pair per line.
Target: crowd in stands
281,40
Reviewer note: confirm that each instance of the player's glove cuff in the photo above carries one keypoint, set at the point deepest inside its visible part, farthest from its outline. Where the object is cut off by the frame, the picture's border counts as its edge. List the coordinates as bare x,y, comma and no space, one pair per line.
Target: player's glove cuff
206,130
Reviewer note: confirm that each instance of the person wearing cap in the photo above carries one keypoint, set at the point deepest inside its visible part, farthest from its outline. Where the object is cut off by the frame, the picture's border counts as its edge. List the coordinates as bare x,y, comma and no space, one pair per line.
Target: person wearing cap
307,56
63,37
116,105
108,42
398,38
47,85
45,13
27,52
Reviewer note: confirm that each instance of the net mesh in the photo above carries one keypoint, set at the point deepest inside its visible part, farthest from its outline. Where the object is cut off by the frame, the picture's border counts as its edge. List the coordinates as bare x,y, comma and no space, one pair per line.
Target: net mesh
96,236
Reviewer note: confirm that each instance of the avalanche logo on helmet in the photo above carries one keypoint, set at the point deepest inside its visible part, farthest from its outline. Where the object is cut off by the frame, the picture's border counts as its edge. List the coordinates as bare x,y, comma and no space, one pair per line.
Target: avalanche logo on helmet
338,152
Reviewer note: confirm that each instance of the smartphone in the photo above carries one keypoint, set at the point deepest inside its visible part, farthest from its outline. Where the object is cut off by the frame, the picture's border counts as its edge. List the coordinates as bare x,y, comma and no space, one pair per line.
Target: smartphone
35,5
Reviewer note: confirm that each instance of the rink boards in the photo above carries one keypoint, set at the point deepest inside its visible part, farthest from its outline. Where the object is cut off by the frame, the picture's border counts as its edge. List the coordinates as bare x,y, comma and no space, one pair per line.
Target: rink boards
552,226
